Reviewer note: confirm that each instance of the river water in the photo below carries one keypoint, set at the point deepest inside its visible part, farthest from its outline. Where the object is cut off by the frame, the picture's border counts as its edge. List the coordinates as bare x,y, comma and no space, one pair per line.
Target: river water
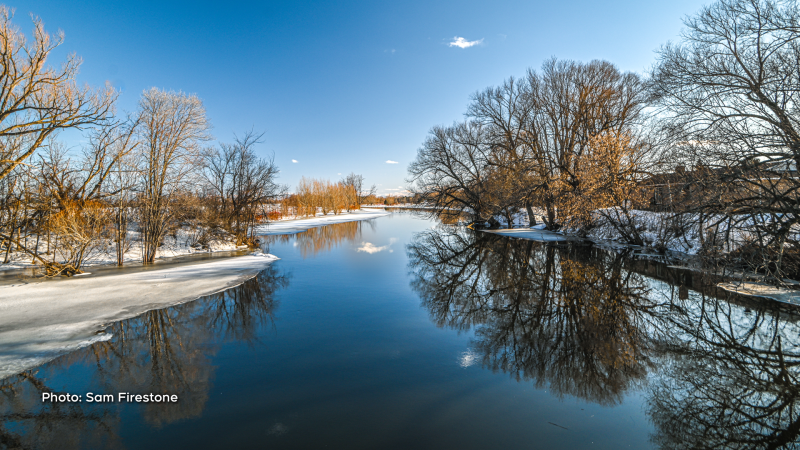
404,333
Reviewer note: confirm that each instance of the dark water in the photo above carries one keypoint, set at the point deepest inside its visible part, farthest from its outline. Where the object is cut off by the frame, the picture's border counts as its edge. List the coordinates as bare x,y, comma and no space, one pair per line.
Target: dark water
431,337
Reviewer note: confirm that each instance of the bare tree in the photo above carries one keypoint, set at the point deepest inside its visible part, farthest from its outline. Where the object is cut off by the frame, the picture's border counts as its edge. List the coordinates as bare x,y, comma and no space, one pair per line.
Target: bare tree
729,92
173,125
451,170
525,142
572,103
121,144
356,183
78,196
242,182
507,113
37,100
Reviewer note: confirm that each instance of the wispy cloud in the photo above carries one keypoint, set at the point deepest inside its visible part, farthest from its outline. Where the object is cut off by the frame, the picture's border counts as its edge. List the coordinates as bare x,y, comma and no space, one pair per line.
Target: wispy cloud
389,161
294,161
460,42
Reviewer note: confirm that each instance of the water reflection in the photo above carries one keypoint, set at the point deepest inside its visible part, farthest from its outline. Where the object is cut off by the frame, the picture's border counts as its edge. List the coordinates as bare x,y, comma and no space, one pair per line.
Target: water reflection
321,239
161,351
541,313
582,322
729,378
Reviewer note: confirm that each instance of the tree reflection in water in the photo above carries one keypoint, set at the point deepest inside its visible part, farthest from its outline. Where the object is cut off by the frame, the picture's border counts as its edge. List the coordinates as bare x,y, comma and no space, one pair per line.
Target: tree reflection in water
321,239
161,351
729,379
579,321
541,313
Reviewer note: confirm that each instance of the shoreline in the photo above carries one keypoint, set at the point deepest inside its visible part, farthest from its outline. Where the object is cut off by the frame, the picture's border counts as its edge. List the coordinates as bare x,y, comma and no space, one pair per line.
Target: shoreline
15,270
42,318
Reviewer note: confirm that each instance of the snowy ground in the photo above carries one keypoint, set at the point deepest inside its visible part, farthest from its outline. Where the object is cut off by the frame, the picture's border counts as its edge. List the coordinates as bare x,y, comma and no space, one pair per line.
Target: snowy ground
300,225
179,244
42,319
530,233
659,231
755,289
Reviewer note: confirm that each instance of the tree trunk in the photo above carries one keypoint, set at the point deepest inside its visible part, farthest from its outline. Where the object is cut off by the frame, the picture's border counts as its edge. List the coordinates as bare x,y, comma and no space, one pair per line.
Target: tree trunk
531,218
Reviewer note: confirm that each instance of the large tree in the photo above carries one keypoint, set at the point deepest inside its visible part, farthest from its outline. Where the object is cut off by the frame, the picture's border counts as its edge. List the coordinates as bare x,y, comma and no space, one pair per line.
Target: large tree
173,125
37,100
525,142
728,93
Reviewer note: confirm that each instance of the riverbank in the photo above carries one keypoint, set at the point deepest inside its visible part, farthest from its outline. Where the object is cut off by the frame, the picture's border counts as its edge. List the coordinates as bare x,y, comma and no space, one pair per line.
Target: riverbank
186,242
295,226
41,319
682,248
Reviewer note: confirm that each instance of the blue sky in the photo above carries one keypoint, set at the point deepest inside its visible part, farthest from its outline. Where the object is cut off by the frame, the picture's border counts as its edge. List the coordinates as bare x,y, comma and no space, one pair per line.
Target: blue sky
343,86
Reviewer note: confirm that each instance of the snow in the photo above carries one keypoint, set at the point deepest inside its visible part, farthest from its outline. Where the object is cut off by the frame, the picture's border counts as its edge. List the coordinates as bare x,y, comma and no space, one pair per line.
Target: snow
44,318
530,233
177,244
298,226
180,242
660,231
758,289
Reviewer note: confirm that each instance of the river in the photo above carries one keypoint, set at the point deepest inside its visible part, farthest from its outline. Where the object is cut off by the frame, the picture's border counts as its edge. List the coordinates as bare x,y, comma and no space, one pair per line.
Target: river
401,332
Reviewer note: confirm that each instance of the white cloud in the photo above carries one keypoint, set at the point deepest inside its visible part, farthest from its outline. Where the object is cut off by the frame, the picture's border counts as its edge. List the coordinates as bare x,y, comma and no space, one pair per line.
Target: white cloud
389,161
294,161
460,42
369,247
468,358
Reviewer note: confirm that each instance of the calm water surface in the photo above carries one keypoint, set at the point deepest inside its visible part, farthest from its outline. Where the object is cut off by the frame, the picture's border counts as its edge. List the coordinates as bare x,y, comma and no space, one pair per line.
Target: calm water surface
401,333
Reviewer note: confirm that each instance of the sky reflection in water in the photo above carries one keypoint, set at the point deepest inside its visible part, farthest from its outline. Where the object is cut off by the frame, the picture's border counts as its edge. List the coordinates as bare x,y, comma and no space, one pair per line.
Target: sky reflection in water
534,345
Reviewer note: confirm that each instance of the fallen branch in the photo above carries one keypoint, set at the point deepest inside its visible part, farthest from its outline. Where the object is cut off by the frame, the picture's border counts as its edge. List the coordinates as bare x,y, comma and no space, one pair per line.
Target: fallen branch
52,268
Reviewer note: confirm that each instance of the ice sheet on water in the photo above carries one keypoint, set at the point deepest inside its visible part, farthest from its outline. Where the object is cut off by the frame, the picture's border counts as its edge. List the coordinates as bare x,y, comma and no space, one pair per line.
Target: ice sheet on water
298,226
43,319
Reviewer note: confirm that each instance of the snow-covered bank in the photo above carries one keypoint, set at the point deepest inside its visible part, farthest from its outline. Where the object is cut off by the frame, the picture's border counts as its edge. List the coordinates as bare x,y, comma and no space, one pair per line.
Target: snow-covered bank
298,226
760,289
182,242
42,319
689,234
530,233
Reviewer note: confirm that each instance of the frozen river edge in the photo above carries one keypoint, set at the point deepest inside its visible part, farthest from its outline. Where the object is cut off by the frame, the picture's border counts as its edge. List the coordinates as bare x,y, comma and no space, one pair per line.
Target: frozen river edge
43,319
